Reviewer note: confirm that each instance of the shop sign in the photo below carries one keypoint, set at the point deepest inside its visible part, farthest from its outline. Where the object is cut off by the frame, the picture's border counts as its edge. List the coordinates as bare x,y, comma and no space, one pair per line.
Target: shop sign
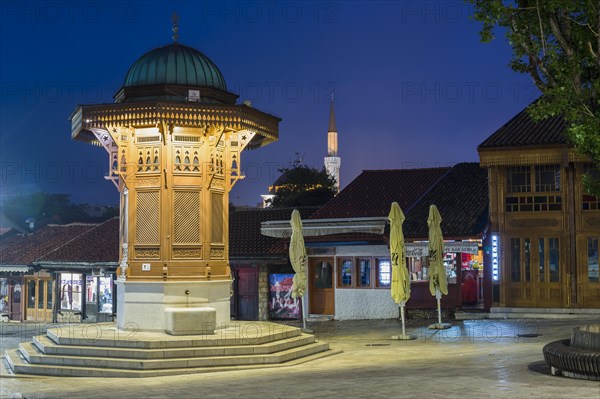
420,249
495,257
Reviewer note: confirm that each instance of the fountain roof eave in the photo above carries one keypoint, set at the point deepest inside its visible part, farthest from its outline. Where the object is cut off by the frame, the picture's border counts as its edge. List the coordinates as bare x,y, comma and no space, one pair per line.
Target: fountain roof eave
145,114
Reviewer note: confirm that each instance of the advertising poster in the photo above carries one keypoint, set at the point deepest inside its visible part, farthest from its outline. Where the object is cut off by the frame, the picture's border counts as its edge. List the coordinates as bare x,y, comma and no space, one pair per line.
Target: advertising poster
281,303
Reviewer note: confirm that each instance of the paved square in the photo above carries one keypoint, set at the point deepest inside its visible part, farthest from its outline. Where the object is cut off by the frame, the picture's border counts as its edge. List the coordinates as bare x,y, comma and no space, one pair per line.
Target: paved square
474,359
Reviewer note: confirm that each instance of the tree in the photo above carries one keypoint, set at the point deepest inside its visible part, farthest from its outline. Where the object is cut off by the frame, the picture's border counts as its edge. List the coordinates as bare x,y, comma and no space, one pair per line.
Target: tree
45,208
557,43
303,186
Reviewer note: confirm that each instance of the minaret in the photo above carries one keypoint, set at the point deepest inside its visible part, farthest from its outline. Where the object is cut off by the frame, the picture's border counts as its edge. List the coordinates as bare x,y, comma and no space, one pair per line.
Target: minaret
332,161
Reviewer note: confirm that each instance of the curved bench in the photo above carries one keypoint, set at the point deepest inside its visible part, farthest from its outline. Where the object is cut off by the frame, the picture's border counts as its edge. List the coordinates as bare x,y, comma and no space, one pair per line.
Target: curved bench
578,357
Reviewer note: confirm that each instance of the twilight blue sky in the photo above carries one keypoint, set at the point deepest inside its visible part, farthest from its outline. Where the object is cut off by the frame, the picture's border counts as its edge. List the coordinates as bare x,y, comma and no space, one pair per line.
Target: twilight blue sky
413,85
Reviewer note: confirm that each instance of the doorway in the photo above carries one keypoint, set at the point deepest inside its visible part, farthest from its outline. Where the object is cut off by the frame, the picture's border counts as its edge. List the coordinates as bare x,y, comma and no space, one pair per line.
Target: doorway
321,286
39,294
246,294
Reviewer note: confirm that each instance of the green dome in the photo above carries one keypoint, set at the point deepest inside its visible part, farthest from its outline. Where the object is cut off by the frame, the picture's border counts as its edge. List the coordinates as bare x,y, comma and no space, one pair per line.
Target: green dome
175,64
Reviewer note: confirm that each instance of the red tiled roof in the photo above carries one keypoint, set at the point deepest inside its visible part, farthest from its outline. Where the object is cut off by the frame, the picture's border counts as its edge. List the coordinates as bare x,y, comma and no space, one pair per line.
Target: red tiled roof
98,244
75,242
245,239
25,249
372,192
522,130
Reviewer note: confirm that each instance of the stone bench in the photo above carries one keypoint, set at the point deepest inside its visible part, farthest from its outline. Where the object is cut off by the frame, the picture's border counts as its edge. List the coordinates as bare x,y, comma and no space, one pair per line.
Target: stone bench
190,321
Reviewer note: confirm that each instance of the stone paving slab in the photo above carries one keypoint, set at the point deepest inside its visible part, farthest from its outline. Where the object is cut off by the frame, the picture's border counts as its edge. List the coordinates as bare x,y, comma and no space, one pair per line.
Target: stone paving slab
473,359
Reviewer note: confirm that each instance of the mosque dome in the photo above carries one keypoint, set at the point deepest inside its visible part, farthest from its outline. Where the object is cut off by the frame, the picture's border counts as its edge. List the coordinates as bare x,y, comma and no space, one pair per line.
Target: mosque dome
175,64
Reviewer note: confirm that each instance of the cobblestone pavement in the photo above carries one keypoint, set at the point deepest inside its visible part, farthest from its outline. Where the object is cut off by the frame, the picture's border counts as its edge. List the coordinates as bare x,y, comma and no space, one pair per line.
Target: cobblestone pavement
474,359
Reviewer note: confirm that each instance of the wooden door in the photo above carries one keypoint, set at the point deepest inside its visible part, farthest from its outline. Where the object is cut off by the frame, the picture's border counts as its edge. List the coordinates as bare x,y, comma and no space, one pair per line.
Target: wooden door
550,274
16,289
247,294
321,286
535,272
39,294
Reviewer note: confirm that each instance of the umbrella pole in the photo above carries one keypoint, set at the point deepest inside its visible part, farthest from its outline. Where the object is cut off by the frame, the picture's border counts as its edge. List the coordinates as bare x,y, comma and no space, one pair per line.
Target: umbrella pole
438,296
439,325
303,314
402,317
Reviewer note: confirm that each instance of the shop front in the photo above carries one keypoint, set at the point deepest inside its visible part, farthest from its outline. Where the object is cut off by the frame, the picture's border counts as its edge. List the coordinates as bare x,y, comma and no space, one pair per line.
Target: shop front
358,287
11,293
85,297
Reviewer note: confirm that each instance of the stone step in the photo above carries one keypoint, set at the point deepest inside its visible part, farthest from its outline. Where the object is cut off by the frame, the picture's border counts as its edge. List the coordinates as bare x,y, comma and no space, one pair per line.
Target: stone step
20,365
106,335
34,356
49,347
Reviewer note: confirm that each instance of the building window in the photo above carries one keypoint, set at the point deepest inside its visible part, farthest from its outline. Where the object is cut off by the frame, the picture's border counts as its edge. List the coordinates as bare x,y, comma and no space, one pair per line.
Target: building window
345,273
592,259
518,179
515,259
591,202
364,273
384,272
547,178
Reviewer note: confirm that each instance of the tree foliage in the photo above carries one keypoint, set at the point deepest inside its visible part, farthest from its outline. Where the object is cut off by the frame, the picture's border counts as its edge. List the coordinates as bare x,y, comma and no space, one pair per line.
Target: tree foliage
303,186
557,43
45,208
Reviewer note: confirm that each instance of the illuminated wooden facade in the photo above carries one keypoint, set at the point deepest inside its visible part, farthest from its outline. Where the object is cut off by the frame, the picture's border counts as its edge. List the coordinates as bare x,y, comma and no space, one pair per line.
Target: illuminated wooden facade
178,163
548,228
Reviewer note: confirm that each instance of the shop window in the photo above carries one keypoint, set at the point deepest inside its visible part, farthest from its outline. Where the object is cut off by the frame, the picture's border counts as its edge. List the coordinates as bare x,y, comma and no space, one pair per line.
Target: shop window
364,273
31,294
345,273
384,272
515,259
527,259
547,178
592,259
3,295
553,260
40,296
417,267
70,291
542,259
591,202
105,290
49,293
450,267
518,179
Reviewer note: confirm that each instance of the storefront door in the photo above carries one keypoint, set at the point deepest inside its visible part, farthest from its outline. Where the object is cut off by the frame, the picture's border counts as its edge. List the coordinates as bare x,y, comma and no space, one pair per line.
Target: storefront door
536,272
321,286
247,294
39,294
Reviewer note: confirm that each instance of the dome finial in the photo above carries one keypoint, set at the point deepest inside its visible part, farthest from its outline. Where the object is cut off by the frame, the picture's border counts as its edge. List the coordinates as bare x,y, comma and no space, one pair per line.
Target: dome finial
175,28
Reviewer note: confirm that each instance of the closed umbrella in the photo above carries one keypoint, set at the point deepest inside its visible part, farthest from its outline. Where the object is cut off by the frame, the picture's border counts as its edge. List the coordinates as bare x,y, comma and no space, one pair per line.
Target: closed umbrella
438,283
400,288
298,260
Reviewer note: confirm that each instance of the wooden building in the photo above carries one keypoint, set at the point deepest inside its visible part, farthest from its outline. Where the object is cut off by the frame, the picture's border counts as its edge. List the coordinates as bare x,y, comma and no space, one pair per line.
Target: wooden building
545,228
